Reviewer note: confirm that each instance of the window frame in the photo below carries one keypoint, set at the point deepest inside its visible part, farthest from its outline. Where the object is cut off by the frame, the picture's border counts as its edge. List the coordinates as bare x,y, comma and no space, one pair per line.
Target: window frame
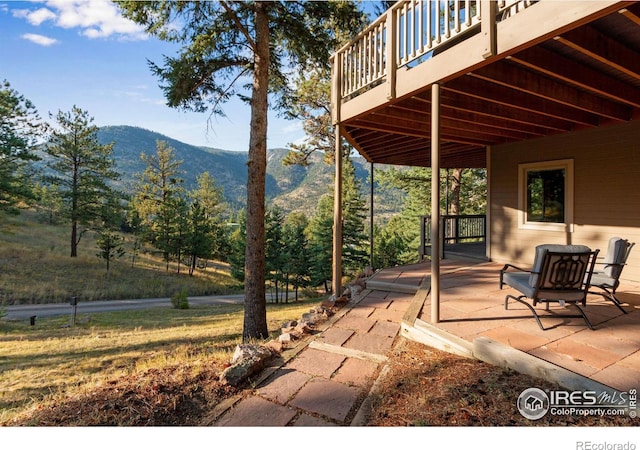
523,170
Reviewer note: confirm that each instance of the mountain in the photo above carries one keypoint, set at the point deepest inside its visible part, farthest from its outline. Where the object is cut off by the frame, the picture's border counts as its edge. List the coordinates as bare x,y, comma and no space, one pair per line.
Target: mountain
292,188
228,168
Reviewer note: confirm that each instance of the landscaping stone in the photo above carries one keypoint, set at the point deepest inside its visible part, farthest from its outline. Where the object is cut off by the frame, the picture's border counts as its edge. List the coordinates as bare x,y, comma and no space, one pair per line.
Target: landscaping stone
247,360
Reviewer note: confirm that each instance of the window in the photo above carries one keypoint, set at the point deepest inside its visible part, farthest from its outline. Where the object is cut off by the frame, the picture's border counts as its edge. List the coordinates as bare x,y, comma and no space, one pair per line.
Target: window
546,195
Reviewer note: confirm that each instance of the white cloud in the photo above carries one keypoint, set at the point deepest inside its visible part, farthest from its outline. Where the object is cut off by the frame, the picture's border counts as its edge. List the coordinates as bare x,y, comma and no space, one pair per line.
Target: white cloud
39,39
95,18
36,17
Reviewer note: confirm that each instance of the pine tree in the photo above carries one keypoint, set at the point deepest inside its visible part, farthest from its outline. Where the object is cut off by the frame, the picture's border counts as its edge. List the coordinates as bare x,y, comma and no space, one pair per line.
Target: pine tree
210,199
110,245
82,170
237,243
354,213
199,239
320,233
274,248
222,43
297,255
20,129
157,198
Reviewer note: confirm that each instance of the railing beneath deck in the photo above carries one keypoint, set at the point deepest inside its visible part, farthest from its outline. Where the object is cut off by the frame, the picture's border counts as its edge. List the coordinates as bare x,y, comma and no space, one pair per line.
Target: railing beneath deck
456,229
407,33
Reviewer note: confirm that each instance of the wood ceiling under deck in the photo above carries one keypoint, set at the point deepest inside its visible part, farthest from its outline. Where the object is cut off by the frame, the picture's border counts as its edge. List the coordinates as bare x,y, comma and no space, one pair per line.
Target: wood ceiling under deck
584,78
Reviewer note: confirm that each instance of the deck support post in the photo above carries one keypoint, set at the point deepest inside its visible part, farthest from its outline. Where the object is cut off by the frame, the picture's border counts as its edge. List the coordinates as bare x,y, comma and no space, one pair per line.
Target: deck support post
371,236
337,218
435,203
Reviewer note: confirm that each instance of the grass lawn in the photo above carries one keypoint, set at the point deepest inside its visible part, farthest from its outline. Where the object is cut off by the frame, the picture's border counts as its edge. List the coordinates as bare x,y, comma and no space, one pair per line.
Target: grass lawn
51,363
35,267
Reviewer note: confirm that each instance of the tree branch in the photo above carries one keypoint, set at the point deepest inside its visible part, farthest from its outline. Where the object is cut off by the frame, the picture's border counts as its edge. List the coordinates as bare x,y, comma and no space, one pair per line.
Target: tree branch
241,27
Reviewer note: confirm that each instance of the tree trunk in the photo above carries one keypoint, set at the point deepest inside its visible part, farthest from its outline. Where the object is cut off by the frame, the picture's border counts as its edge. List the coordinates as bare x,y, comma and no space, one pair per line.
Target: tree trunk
255,308
456,182
192,268
286,289
74,239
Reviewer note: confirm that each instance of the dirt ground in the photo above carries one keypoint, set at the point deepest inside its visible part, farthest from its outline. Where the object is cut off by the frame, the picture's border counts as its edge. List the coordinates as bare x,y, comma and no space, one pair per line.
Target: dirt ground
428,387
424,387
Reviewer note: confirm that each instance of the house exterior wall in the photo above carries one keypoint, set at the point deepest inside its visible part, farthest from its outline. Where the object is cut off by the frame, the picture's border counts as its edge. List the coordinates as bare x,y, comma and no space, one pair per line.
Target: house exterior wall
606,193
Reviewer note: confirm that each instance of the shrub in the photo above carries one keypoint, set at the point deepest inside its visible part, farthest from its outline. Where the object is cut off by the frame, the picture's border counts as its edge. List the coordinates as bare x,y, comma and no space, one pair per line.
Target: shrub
179,300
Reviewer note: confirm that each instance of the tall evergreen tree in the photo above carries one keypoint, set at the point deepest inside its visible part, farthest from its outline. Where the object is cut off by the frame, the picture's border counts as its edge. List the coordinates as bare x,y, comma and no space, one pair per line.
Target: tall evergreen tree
320,234
354,213
297,255
223,43
210,199
82,169
237,244
209,195
274,248
199,238
157,198
20,129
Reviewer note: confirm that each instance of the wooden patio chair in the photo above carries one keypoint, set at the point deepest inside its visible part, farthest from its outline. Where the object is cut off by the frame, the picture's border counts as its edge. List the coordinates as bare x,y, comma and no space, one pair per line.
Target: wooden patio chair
561,274
607,279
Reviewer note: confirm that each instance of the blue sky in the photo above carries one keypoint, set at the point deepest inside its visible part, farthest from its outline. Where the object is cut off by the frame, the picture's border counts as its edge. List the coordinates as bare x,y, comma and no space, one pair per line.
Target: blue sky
61,53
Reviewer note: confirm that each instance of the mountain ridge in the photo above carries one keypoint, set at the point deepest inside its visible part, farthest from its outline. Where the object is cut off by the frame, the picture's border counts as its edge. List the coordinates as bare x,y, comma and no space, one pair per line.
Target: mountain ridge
291,188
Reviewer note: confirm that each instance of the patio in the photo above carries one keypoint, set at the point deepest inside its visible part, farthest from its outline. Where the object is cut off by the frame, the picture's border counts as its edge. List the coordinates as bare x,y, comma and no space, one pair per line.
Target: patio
474,323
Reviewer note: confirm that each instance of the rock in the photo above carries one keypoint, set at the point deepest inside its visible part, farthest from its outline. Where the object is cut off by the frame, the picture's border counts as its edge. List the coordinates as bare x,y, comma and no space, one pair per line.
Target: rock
246,361
285,338
239,372
303,328
247,351
275,346
289,324
287,330
341,300
328,304
356,289
313,318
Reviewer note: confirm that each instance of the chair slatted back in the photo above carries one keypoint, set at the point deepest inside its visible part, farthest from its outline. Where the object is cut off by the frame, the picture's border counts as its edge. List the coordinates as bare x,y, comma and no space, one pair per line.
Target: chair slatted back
565,275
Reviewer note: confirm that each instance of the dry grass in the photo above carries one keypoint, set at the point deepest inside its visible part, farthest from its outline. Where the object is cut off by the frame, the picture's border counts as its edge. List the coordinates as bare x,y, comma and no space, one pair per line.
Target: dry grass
153,367
36,268
177,384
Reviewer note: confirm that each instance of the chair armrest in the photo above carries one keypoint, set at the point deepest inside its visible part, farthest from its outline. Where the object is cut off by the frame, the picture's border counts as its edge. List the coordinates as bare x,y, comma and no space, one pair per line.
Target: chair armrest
598,263
509,266
506,266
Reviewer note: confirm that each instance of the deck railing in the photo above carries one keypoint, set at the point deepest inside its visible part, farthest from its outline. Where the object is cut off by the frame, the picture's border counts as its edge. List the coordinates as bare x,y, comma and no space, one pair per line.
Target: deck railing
409,32
456,229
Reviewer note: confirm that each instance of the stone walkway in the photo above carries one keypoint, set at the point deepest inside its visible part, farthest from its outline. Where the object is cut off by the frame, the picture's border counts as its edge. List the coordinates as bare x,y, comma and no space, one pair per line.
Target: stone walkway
325,381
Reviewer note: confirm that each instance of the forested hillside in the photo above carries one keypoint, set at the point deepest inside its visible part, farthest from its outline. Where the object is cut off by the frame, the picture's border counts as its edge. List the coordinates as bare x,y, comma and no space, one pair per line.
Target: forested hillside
292,188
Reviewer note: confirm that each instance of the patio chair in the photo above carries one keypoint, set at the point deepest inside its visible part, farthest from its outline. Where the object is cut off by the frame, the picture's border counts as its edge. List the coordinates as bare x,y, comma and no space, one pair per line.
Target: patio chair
607,279
560,274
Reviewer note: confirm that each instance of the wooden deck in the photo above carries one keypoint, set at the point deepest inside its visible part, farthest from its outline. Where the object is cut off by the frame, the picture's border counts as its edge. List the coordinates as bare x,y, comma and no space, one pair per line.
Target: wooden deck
474,323
506,71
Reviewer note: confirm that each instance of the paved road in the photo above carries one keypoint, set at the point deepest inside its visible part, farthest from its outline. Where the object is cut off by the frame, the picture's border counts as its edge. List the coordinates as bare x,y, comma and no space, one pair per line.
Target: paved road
17,312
